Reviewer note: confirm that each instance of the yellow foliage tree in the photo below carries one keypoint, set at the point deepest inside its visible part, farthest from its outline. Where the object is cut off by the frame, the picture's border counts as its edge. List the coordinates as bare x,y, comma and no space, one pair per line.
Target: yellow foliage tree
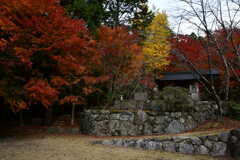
156,47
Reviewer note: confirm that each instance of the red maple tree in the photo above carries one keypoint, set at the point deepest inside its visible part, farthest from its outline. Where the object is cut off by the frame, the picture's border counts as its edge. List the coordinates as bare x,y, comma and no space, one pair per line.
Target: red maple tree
48,53
121,58
186,47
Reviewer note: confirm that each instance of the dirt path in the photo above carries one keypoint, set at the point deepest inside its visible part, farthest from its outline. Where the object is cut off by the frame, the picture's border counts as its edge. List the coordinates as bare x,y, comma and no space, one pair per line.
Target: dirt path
79,148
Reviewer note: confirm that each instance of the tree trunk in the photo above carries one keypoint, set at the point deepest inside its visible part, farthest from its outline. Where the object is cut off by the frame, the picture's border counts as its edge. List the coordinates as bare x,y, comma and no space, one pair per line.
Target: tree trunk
117,21
73,114
48,116
21,121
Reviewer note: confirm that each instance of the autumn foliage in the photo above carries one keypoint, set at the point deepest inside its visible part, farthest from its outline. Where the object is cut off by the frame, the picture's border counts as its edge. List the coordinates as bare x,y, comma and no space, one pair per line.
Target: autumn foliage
121,57
45,52
156,47
231,48
186,47
47,57
202,56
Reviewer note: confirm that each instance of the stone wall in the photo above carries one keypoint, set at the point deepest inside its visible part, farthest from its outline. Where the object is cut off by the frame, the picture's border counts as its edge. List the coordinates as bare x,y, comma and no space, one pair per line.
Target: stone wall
139,122
221,144
234,143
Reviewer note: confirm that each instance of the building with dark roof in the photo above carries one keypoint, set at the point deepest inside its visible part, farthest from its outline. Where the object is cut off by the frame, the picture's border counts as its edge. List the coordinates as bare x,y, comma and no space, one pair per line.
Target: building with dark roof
186,75
187,79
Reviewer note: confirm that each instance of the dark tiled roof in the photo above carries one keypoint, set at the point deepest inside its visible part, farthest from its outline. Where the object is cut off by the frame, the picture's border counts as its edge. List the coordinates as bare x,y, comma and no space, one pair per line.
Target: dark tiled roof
185,75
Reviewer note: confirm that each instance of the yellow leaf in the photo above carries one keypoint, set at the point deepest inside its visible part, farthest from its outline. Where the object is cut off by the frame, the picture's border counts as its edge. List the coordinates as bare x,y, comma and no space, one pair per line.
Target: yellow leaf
156,46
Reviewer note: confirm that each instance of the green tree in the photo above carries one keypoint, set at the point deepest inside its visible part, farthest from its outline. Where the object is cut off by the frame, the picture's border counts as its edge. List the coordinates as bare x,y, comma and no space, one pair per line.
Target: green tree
143,18
90,10
134,13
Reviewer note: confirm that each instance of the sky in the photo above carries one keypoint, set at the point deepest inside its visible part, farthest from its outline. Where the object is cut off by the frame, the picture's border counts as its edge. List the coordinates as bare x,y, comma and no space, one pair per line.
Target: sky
170,7
162,4
173,8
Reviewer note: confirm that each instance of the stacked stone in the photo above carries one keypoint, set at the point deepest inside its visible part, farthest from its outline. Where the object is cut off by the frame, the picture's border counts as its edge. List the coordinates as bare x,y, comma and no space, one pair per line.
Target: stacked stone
125,123
234,143
215,145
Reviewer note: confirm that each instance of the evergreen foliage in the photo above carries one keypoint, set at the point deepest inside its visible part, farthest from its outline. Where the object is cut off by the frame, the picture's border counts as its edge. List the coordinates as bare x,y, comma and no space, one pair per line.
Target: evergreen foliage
174,99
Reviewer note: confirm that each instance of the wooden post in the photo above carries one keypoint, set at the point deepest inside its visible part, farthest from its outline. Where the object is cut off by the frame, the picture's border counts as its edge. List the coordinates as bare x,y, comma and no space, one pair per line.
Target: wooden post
73,114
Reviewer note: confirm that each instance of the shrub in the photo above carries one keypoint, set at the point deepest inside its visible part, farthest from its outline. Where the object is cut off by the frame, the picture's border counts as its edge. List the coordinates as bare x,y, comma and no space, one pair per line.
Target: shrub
174,99
234,94
234,109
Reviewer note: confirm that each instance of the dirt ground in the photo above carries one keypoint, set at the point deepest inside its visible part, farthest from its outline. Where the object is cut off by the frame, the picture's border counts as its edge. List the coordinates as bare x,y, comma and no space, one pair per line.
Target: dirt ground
33,143
79,147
